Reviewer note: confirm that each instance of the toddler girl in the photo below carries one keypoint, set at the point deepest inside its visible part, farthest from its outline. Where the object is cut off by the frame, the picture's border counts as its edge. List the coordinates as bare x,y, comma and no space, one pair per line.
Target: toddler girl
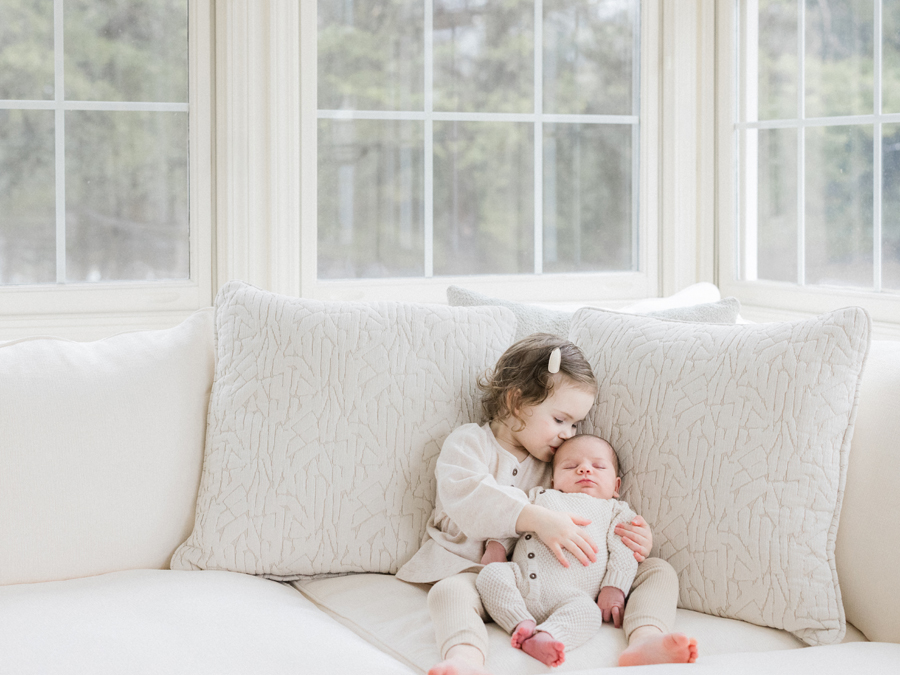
540,389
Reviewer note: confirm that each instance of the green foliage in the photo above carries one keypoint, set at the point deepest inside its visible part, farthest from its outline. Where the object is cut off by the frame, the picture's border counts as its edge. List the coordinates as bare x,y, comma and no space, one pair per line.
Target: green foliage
839,75
126,50
371,57
125,172
26,49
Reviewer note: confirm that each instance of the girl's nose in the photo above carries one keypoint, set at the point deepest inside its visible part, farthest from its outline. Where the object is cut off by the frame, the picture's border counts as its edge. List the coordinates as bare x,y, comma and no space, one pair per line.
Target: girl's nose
567,433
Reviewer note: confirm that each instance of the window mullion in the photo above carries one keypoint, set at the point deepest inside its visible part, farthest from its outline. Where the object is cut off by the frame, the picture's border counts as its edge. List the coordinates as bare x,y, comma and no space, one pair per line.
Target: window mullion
877,150
59,139
538,137
636,141
801,143
428,163
748,107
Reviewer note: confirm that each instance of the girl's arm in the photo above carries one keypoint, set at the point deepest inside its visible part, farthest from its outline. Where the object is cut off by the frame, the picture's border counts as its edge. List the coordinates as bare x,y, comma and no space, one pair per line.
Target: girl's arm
637,536
559,531
470,495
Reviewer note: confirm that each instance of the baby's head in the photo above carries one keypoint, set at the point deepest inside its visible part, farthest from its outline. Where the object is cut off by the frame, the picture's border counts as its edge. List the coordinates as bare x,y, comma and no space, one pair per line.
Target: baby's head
522,379
589,465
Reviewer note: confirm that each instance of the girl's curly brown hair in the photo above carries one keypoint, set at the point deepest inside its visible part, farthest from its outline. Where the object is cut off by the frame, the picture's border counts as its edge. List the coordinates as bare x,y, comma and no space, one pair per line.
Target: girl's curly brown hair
521,378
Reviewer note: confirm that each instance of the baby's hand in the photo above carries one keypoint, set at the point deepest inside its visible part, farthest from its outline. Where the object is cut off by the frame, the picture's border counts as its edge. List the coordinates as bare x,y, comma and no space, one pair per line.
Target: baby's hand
562,531
493,552
611,602
637,536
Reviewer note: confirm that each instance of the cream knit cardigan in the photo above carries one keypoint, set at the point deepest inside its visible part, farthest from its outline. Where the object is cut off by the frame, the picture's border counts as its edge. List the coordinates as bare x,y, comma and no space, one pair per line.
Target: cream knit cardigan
481,490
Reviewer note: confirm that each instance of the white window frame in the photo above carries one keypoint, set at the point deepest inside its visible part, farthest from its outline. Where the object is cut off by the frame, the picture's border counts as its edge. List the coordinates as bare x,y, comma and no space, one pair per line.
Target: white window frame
257,101
769,300
86,310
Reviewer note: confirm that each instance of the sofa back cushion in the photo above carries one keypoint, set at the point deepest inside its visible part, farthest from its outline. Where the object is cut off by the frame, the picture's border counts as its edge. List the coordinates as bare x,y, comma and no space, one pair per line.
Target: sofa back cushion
326,419
733,443
101,445
701,303
868,541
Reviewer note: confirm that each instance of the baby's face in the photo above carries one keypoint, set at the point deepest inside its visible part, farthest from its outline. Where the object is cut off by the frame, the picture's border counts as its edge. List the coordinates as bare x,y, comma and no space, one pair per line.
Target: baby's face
585,464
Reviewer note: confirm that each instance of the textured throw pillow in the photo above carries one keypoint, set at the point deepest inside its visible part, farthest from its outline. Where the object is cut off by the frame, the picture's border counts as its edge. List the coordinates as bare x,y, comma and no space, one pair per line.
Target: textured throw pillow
325,422
534,319
733,443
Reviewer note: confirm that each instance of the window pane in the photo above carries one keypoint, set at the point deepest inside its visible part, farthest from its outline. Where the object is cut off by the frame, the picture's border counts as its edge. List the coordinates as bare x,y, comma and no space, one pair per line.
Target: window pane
126,50
484,55
370,199
483,198
777,66
839,205
26,49
891,56
589,56
587,197
839,58
27,199
371,54
777,205
126,196
890,209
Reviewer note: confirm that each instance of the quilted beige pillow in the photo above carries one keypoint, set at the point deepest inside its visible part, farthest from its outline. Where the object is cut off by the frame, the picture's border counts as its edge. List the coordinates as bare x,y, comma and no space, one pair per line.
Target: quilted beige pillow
733,442
325,421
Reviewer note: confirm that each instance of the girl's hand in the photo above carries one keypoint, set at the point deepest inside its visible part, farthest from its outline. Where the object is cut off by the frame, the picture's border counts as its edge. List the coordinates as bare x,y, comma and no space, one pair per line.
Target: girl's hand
637,536
560,531
611,602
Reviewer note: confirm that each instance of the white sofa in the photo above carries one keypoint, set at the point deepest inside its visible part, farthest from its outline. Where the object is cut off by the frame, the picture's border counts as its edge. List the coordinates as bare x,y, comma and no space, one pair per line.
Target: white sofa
101,453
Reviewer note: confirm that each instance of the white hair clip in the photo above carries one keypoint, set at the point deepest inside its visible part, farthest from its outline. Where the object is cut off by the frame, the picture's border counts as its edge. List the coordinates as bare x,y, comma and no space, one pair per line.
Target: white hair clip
555,360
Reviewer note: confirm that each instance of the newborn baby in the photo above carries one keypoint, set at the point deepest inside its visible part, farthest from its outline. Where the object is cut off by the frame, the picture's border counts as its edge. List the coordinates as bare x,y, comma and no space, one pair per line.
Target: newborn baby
546,607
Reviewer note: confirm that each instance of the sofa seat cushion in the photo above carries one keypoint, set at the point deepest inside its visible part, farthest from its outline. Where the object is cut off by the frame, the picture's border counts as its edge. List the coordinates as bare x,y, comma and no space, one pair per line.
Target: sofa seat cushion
393,615
160,621
859,657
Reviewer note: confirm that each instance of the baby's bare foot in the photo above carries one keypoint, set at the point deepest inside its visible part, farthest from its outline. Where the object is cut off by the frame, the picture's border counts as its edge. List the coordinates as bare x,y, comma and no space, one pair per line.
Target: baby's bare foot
668,648
522,632
545,649
457,667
